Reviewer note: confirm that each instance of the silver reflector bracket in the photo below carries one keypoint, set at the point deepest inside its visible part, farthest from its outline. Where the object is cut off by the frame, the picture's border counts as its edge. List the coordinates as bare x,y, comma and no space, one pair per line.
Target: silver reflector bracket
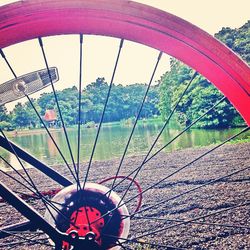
27,84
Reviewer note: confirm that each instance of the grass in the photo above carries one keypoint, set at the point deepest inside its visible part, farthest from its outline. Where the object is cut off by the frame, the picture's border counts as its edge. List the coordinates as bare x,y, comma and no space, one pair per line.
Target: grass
241,140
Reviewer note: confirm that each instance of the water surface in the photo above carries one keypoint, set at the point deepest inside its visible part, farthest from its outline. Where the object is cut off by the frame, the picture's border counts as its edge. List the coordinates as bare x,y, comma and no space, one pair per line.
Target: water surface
112,141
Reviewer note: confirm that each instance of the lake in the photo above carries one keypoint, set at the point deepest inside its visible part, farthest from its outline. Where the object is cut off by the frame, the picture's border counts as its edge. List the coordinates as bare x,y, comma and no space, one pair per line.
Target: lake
112,141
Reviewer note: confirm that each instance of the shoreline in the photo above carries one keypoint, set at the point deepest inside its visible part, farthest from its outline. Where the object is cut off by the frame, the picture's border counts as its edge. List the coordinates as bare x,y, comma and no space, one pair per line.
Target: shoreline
24,132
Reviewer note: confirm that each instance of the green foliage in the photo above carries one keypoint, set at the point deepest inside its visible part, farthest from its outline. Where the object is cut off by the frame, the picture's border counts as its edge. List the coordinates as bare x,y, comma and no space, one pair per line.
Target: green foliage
25,116
237,40
123,103
3,114
20,116
6,126
202,94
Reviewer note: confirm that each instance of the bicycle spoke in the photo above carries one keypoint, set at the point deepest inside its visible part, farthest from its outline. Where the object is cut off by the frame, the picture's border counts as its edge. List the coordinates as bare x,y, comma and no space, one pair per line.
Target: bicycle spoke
16,180
193,161
36,233
19,243
20,227
20,162
137,170
175,172
34,162
17,172
7,62
27,239
57,104
164,220
161,131
29,177
173,139
39,196
79,106
192,190
121,245
31,196
187,128
34,108
79,127
188,164
3,134
50,204
27,211
130,137
51,137
103,112
13,244
136,120
194,219
134,240
170,116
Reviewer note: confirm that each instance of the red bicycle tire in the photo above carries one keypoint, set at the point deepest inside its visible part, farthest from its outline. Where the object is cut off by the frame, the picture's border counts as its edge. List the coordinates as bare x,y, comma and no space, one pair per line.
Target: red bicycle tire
29,19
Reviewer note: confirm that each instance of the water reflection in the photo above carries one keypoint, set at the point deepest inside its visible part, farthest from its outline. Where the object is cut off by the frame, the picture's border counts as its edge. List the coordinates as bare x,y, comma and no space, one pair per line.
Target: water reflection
111,142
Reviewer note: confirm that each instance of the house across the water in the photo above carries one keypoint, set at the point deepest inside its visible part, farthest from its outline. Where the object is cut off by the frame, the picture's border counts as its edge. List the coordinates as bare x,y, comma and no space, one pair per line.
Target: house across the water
50,117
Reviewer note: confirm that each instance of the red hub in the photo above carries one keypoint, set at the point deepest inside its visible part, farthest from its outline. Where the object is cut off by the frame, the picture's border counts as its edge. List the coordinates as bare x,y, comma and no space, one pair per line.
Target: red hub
87,223
90,220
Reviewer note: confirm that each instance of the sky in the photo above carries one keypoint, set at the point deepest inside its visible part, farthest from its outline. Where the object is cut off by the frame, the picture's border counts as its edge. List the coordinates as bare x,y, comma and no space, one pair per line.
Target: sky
136,61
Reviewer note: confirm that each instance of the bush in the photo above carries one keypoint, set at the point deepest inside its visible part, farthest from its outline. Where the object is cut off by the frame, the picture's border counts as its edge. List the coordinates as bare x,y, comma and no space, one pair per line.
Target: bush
6,126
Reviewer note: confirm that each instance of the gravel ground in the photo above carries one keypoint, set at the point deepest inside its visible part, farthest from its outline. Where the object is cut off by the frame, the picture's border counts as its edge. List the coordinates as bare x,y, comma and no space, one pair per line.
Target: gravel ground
209,199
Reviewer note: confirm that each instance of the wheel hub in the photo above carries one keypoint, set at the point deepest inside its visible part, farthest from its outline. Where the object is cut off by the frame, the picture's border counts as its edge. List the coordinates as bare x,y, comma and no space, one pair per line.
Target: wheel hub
80,214
80,227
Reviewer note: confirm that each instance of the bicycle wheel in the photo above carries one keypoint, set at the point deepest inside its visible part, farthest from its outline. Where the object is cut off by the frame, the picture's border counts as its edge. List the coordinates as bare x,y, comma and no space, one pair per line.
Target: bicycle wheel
75,213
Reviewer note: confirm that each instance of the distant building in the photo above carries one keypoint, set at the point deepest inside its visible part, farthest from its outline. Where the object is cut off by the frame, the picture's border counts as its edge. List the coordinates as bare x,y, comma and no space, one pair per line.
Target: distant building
50,117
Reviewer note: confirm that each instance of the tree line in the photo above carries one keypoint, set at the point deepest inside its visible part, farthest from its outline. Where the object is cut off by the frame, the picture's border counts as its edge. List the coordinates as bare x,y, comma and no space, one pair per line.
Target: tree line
124,101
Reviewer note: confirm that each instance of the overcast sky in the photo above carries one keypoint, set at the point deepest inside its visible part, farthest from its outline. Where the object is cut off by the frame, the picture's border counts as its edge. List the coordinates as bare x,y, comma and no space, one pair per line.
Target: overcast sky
136,62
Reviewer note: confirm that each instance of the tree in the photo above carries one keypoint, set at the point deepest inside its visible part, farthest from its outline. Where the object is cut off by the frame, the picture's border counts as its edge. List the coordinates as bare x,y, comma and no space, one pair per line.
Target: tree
3,114
237,40
202,94
5,119
34,120
20,116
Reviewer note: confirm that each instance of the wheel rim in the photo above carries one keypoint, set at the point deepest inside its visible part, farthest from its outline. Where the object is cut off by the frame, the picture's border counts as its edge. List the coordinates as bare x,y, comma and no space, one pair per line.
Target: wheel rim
152,27
50,12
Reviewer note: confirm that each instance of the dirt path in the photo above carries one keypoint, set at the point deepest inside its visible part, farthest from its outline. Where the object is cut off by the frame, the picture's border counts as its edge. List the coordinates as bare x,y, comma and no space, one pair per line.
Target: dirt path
209,199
